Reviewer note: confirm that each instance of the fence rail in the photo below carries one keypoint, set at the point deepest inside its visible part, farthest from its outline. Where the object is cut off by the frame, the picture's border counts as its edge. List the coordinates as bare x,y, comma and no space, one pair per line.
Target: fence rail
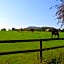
27,51
29,40
35,50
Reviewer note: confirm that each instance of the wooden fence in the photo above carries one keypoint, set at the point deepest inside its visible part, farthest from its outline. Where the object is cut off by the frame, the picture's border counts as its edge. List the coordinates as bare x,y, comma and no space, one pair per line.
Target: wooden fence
31,40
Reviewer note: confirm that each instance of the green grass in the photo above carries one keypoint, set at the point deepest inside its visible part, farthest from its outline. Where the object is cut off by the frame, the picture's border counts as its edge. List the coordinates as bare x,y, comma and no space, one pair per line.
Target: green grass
27,58
11,35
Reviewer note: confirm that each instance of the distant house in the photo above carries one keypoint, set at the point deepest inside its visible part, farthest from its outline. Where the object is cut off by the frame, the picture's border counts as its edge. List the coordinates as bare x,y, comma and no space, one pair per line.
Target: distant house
48,29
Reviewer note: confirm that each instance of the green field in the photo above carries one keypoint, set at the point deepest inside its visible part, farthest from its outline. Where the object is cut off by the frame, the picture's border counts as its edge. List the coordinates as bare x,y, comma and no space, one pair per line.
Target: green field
28,58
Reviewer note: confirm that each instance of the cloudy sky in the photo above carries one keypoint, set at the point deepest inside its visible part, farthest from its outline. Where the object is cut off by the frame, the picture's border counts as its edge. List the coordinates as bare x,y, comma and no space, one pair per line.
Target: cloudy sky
24,13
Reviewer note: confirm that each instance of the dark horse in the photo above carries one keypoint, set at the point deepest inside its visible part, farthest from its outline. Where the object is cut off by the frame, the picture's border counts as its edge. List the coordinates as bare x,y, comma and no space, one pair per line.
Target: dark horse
55,32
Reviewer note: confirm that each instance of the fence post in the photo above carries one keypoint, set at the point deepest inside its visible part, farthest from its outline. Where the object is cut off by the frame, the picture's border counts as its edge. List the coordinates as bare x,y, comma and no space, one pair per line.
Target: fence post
41,51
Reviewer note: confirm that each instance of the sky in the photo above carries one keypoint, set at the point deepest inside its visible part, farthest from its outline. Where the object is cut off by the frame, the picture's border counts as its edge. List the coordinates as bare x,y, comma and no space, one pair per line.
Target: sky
24,13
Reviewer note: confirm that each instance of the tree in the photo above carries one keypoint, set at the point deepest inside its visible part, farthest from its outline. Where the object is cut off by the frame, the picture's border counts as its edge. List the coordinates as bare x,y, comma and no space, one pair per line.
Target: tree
60,12
3,29
13,29
32,30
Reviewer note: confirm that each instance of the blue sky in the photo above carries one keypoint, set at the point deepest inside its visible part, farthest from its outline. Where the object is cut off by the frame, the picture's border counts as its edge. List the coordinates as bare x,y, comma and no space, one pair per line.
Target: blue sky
24,13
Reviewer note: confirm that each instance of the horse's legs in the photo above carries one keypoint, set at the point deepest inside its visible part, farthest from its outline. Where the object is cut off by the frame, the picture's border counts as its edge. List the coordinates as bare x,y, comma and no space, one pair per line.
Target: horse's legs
58,35
51,35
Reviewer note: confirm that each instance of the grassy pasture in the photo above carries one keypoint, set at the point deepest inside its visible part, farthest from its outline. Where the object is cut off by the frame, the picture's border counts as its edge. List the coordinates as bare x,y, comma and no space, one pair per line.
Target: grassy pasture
27,58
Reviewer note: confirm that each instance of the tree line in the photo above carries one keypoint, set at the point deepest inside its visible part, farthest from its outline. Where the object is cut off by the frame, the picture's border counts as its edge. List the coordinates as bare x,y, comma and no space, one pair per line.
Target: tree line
48,29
